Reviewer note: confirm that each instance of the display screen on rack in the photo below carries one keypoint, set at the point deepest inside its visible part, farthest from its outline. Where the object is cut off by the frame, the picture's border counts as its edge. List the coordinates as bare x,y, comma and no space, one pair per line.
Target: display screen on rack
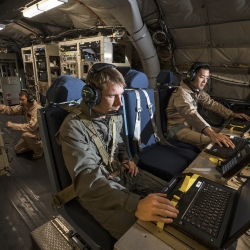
42,76
41,64
90,51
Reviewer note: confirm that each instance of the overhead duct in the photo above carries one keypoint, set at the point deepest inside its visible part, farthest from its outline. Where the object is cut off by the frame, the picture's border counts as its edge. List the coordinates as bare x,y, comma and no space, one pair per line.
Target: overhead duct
128,14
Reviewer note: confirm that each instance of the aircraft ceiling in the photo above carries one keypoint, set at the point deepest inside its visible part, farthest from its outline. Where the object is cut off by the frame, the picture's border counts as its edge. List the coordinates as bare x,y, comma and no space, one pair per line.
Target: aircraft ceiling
214,31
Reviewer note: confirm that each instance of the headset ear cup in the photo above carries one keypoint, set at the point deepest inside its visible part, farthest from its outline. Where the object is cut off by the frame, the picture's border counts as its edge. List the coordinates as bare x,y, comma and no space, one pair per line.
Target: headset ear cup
91,95
191,75
30,98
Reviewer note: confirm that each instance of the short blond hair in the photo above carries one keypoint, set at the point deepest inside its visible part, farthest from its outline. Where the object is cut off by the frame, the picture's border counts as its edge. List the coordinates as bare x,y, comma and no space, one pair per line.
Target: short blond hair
107,75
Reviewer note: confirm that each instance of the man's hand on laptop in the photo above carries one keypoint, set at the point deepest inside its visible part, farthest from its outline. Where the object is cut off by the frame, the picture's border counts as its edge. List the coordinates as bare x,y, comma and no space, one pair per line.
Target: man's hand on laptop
241,116
155,207
220,139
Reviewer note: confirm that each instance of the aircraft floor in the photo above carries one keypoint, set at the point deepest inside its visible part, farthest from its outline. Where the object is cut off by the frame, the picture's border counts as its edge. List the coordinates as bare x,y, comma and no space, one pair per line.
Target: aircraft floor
24,194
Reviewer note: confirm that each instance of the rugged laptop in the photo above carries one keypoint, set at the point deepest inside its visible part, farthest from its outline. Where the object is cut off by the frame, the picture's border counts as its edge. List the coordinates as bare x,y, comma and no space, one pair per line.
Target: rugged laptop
236,162
213,214
238,125
226,152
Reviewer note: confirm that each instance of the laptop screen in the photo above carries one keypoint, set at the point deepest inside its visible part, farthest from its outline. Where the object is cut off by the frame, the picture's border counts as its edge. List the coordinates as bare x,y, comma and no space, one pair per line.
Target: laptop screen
241,222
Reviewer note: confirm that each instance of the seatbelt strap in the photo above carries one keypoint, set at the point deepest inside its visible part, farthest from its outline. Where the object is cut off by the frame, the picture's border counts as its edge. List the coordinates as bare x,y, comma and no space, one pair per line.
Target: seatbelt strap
137,130
114,119
171,132
150,111
62,197
68,193
187,183
94,134
106,158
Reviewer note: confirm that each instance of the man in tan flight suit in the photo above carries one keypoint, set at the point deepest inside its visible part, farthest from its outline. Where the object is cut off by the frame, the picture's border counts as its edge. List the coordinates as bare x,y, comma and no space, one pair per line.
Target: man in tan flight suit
184,122
30,133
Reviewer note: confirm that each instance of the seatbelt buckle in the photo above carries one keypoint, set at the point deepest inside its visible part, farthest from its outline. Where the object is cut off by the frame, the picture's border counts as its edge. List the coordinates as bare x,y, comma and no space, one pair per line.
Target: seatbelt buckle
55,202
139,110
150,109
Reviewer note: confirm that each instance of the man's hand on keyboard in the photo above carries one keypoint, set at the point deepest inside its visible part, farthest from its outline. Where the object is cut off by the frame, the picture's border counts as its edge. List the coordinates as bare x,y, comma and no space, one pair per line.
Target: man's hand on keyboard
241,116
220,139
155,207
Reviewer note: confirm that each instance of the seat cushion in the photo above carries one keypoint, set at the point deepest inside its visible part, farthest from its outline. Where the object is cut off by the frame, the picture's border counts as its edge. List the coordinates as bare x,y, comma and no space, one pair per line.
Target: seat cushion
165,161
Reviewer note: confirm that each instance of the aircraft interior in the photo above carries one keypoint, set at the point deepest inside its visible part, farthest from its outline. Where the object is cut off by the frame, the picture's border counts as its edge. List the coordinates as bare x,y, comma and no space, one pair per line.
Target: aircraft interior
49,47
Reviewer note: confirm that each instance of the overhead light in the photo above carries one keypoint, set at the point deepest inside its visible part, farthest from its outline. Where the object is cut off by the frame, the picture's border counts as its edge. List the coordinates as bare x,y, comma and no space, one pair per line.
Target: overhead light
2,26
42,6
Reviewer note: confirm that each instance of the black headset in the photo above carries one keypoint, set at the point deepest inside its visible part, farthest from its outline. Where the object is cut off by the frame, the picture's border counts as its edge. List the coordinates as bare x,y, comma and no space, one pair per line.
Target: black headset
30,97
191,74
90,93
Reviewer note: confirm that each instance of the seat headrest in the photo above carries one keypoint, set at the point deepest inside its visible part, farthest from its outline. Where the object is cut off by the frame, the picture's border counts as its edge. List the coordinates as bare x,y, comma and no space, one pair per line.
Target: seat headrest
165,77
136,79
65,88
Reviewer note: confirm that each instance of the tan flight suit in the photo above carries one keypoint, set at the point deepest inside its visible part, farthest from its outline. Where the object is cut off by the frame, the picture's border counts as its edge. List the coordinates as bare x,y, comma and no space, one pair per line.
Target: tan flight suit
184,123
30,132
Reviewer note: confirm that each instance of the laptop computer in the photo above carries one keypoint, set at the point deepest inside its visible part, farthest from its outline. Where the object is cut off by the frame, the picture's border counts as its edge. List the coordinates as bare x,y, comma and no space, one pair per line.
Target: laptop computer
236,162
212,214
238,125
224,152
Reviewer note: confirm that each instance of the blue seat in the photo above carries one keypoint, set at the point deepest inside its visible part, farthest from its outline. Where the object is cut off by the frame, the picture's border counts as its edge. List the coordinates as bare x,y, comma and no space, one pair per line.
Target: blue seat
163,161
165,78
65,88
50,120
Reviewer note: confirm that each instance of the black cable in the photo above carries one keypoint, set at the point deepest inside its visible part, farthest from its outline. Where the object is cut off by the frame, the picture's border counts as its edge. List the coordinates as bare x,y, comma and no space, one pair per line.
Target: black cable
149,14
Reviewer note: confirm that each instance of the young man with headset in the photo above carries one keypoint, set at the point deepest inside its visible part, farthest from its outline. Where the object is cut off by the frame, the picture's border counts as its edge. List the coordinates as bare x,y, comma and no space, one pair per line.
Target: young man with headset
184,122
108,184
30,133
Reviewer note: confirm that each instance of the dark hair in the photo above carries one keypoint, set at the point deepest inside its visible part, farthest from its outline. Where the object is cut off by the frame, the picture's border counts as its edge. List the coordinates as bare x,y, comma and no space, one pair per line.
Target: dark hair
202,66
191,74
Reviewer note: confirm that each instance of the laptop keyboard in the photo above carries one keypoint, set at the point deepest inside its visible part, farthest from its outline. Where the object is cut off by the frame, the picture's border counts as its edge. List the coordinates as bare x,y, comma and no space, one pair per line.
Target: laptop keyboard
238,142
208,209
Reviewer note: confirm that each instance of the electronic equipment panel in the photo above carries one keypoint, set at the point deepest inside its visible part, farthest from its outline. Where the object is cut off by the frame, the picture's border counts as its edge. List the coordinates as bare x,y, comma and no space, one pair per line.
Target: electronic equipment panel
78,56
69,57
234,164
47,69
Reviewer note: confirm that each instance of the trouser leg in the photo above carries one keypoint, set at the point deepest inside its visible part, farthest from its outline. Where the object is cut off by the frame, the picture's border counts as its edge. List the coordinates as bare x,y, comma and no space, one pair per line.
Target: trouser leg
33,141
142,184
21,147
192,137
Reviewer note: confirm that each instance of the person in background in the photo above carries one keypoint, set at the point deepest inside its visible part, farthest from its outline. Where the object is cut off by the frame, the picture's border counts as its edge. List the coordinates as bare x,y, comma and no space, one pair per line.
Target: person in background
30,132
113,190
184,122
